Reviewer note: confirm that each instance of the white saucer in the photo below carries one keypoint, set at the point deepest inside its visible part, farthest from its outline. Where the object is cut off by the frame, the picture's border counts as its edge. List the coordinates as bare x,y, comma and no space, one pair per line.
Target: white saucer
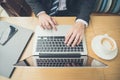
100,53
97,63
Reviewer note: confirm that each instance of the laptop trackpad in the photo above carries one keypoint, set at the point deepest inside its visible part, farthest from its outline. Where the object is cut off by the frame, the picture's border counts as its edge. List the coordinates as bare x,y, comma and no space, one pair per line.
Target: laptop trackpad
61,31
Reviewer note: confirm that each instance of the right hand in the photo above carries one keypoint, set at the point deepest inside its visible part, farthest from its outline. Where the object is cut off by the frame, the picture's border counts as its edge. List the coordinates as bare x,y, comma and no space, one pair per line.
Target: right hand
47,22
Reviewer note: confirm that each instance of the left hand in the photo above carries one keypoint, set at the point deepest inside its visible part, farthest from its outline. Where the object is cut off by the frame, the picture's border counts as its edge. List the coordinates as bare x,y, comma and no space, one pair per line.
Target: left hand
75,34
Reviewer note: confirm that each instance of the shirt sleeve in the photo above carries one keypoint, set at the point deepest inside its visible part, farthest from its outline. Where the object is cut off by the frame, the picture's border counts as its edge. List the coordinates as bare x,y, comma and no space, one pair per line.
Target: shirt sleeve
35,5
83,21
41,13
86,9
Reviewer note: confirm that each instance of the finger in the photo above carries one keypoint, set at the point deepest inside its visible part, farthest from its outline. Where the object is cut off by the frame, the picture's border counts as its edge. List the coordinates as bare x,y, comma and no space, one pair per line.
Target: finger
45,23
48,26
76,40
67,37
41,25
80,39
55,28
52,25
55,22
71,39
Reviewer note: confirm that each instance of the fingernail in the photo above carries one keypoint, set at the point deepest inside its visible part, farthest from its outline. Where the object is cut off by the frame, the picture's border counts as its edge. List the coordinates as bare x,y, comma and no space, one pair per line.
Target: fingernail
65,41
55,28
73,45
68,45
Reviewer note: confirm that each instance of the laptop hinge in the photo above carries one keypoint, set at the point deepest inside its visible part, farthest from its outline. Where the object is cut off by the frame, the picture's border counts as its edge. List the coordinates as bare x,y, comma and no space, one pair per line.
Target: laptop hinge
58,55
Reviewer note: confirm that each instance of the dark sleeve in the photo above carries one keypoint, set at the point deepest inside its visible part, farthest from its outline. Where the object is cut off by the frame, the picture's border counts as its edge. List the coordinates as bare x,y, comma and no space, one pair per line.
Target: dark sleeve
35,5
86,9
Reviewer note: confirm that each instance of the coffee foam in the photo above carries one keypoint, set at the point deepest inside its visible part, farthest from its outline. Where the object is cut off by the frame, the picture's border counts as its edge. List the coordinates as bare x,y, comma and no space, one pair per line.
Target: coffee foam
109,44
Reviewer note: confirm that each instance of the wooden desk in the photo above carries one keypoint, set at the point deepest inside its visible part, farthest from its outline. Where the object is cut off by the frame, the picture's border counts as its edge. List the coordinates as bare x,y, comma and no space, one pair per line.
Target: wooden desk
98,25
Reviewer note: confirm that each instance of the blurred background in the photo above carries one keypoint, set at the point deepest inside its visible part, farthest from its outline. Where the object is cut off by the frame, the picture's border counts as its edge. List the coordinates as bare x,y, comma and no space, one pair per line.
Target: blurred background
16,8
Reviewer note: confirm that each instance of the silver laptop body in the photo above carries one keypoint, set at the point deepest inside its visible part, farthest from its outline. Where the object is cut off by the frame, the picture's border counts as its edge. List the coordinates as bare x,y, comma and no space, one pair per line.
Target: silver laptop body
49,50
61,32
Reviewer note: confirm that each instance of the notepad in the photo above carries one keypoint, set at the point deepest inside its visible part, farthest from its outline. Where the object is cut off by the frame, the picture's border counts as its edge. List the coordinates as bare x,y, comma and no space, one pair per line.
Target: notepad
14,40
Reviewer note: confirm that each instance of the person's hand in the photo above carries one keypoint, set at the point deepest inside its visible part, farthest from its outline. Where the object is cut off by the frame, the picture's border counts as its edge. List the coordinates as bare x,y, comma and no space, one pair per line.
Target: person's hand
75,34
47,22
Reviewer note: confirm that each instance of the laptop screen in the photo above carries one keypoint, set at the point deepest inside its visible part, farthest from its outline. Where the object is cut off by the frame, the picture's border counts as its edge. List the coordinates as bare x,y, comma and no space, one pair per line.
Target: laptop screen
39,62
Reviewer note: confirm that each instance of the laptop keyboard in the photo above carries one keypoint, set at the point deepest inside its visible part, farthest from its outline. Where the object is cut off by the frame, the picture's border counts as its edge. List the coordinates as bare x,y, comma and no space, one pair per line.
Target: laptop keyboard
55,44
59,62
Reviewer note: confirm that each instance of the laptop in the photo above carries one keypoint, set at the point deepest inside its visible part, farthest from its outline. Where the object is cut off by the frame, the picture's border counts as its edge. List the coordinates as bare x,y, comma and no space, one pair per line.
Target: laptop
49,50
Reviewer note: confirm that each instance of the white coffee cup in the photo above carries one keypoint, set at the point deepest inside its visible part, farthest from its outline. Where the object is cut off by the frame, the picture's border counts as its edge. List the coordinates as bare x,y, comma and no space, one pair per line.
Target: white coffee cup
104,46
107,44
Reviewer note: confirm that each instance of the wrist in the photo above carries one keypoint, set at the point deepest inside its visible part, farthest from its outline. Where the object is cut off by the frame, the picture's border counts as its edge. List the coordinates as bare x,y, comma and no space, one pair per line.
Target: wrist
80,24
40,13
82,21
